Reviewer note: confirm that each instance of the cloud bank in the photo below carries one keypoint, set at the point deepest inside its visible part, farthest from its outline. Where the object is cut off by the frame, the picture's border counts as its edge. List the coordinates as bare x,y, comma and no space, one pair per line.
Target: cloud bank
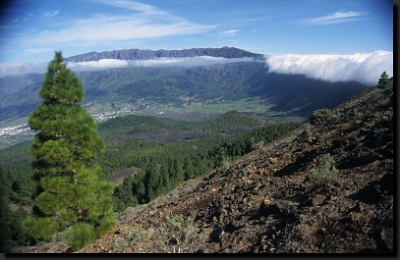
365,68
14,68
161,62
21,68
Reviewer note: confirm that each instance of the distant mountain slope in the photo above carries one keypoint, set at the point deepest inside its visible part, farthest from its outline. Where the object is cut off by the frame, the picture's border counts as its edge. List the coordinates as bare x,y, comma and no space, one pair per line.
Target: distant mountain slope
136,54
181,87
299,95
11,84
18,104
289,94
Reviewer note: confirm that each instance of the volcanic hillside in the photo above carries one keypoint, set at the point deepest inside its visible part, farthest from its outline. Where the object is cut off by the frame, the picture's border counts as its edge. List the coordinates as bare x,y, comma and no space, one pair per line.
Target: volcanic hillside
267,201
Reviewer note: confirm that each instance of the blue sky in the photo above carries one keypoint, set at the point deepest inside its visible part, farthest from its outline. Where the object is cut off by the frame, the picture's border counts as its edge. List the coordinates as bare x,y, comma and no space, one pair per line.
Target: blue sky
32,30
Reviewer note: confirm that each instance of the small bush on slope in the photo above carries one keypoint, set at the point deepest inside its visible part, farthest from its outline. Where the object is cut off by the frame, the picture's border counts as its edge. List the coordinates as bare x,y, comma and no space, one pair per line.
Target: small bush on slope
325,174
320,116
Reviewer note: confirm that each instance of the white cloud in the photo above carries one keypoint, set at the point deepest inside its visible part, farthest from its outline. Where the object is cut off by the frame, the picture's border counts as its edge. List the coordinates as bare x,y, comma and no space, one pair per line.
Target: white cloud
18,68
144,21
134,6
228,33
113,28
21,68
337,17
160,62
362,67
51,13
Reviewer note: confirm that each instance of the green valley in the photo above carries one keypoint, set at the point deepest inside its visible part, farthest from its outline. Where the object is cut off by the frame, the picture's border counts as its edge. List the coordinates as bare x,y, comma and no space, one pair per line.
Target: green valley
165,151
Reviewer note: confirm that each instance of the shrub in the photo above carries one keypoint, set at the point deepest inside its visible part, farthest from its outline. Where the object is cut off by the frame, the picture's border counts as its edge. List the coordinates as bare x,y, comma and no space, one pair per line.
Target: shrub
288,141
320,116
226,164
308,131
129,236
139,234
256,145
181,232
80,235
325,174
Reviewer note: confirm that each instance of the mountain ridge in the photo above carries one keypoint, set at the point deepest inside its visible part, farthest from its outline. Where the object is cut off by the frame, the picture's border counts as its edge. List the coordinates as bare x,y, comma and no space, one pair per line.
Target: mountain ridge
137,54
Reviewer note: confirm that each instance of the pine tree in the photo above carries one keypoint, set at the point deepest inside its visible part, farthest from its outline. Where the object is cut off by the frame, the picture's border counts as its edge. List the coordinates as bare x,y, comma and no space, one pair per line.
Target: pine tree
188,167
384,81
164,183
71,193
152,180
177,171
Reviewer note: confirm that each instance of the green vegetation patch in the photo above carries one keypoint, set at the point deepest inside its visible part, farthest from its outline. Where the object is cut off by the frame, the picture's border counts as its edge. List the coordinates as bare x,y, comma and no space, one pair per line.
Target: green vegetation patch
320,116
325,174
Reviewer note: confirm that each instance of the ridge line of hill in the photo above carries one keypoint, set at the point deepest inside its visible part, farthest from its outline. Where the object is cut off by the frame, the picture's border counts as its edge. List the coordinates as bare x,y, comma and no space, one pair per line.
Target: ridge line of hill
137,54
